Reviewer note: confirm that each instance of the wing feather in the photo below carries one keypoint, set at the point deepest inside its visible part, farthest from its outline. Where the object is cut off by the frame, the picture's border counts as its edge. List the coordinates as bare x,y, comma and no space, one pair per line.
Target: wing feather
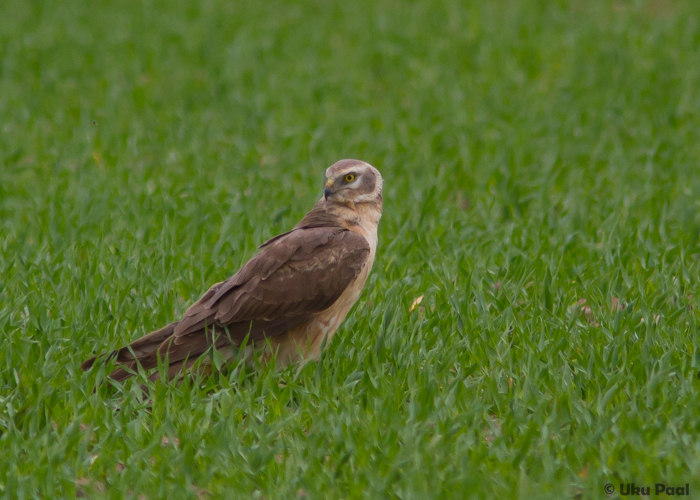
293,278
301,273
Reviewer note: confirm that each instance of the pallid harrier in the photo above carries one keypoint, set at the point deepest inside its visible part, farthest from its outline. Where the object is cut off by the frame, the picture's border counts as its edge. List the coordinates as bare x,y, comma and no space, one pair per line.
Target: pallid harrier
287,299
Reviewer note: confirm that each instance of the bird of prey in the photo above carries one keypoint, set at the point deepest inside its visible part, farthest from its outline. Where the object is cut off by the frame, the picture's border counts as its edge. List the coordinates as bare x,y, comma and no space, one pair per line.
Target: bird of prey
287,300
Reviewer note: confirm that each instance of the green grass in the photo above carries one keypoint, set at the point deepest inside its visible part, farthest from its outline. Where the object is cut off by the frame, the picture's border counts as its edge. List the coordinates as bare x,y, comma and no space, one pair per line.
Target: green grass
534,153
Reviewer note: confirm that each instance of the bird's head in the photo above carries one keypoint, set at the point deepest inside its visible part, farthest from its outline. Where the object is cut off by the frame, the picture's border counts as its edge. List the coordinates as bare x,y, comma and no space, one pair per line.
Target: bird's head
353,181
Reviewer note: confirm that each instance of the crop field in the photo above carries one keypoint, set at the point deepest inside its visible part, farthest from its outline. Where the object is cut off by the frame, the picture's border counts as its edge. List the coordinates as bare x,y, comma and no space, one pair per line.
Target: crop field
531,327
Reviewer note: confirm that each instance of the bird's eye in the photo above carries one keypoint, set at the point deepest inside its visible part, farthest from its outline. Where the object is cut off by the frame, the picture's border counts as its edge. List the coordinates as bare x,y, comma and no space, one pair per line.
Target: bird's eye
349,178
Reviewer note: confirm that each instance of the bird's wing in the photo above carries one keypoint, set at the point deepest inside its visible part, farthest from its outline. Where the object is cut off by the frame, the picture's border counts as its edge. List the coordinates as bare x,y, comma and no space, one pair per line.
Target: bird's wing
292,278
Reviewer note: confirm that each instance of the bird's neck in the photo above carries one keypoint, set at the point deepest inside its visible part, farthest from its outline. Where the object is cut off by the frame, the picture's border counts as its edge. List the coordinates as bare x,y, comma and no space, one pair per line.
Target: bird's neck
325,214
369,213
351,214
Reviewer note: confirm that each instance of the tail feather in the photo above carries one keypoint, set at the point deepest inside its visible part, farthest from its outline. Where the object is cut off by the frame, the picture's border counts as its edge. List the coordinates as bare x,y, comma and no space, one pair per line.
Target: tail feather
146,351
175,369
140,348
121,374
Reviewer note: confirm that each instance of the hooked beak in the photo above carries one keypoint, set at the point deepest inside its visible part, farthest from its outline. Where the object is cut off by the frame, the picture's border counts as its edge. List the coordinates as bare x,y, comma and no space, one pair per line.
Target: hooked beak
329,189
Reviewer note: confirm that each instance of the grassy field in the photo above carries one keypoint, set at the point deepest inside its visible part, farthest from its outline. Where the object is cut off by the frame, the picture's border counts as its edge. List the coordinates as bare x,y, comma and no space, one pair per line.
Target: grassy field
542,196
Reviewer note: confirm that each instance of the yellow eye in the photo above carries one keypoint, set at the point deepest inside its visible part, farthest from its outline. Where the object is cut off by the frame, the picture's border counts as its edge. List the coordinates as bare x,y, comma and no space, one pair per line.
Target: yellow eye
349,178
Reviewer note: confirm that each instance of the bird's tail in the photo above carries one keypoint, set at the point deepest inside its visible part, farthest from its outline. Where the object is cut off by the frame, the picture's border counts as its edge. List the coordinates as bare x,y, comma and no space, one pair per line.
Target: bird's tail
136,353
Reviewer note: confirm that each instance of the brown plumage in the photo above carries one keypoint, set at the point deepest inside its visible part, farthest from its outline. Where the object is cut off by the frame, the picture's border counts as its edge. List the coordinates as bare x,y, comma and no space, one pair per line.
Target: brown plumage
290,296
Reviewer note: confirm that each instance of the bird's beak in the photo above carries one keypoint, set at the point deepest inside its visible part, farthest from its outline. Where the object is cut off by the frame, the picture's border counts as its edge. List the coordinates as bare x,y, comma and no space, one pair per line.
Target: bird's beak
329,189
